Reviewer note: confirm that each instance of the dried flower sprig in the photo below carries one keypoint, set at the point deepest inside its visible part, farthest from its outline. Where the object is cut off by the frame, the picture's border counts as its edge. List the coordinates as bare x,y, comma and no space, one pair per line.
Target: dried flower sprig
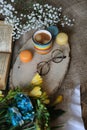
40,16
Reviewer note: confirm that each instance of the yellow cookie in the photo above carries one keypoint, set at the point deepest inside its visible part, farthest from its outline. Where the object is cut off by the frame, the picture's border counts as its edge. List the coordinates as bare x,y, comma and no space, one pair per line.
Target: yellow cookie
62,38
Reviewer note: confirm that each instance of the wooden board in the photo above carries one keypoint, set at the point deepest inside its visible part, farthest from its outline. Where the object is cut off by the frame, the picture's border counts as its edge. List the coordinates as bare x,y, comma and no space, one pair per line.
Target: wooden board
4,69
5,37
23,75
5,52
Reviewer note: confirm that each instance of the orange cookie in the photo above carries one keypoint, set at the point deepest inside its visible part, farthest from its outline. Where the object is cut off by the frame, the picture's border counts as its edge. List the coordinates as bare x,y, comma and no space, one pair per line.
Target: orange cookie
25,56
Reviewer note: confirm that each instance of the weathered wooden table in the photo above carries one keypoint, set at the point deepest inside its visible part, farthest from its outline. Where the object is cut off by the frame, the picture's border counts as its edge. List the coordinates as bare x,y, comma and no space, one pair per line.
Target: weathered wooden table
22,73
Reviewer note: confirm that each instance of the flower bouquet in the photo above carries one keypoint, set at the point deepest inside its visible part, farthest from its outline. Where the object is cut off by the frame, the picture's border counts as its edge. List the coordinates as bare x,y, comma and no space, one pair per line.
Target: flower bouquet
28,108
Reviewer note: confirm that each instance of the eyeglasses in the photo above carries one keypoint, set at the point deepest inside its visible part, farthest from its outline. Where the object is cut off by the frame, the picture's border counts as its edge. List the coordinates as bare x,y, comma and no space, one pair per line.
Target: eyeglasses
44,67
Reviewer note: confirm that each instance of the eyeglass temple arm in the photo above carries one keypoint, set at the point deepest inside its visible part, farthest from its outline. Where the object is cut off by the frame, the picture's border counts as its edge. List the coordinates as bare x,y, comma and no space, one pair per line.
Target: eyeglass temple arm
60,57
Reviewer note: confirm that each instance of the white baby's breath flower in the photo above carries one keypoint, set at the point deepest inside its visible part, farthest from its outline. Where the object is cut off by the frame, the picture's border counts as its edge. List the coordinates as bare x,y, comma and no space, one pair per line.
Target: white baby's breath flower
51,11
43,14
41,11
21,18
54,16
59,14
37,5
15,12
1,1
24,16
13,9
1,11
69,20
39,16
32,14
46,5
46,19
12,0
62,24
66,18
21,15
55,13
35,8
55,21
9,6
17,19
49,15
54,8
40,6
5,2
34,5
60,9
29,17
66,22
50,21
49,7
33,27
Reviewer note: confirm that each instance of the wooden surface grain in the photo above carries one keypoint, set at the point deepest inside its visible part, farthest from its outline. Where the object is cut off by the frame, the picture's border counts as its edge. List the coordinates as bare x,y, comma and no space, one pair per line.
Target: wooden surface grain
56,74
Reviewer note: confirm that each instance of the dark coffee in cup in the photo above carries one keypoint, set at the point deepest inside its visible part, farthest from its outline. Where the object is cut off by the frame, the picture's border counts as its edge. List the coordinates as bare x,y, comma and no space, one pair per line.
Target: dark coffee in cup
42,38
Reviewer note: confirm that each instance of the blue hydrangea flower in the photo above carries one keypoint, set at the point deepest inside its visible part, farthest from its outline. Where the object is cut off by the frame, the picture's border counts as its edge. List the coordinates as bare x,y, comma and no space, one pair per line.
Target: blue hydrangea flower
29,116
25,106
15,116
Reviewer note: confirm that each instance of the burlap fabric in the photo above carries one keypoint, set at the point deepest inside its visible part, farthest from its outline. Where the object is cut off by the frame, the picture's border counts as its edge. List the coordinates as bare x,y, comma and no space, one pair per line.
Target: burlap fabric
77,73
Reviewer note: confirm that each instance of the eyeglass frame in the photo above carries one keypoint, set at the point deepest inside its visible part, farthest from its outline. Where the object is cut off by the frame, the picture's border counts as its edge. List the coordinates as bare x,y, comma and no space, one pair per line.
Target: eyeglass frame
48,62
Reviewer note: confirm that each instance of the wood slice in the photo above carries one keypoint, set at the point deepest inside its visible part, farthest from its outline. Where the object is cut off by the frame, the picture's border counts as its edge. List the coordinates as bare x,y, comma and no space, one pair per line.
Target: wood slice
23,72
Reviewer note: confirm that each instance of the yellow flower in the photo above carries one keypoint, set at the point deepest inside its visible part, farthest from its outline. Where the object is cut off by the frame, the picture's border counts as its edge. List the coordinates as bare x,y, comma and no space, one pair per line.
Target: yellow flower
37,79
47,101
44,95
1,95
59,99
44,98
35,92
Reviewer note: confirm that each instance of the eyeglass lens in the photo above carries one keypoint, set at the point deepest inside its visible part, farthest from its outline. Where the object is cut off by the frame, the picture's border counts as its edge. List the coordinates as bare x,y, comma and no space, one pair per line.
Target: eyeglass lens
44,67
57,56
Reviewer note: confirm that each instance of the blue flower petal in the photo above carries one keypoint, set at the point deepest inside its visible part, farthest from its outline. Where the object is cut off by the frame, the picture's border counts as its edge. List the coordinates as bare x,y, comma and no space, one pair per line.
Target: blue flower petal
15,116
25,106
29,116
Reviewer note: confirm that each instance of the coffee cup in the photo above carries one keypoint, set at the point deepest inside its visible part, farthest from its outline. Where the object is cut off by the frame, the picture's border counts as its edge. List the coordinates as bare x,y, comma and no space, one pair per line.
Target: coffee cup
42,40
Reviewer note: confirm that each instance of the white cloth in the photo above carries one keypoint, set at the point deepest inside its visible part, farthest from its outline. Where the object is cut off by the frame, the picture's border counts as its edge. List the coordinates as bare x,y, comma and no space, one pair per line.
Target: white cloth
75,121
